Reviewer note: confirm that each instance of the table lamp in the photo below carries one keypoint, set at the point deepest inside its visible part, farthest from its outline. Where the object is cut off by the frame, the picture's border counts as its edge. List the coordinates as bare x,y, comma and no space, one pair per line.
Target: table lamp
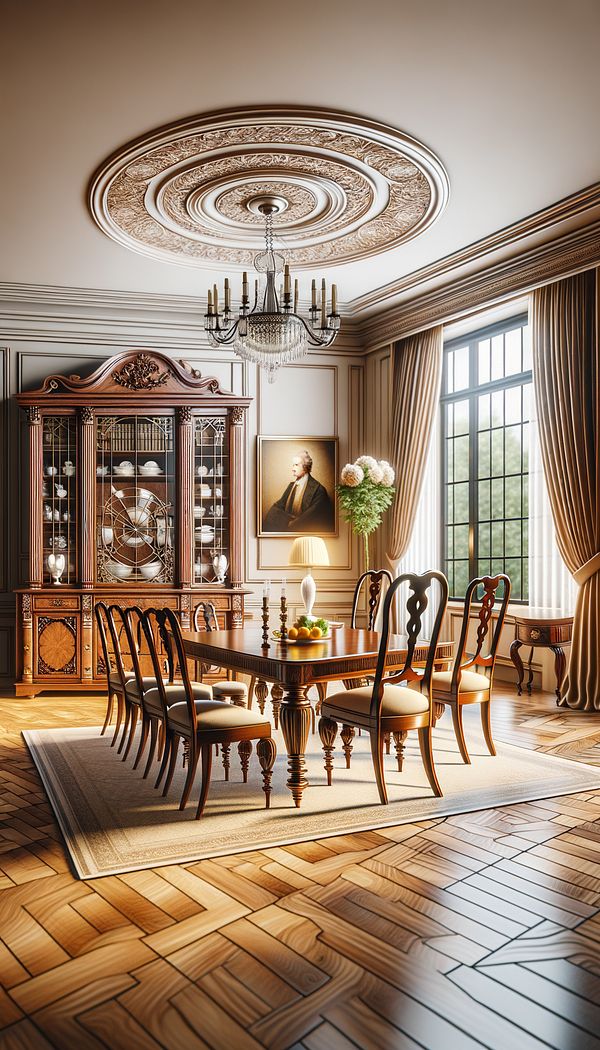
308,551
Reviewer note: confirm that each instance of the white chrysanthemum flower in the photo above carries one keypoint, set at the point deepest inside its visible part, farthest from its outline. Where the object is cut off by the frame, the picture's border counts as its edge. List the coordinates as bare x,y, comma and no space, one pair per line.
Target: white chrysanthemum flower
366,462
352,475
375,474
389,475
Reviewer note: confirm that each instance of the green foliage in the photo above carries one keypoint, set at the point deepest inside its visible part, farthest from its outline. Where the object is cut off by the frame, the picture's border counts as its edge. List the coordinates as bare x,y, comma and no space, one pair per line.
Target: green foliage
363,505
310,621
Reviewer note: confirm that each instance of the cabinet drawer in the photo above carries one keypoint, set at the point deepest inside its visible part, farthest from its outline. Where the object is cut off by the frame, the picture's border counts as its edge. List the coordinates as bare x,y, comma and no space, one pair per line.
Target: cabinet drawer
533,635
58,602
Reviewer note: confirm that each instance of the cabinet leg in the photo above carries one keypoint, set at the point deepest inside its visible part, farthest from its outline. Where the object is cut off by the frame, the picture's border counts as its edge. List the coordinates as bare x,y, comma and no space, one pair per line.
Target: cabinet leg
560,663
296,715
517,661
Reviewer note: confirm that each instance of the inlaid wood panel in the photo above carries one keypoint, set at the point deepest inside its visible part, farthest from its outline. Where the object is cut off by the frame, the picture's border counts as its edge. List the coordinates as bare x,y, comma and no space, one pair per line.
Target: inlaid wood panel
475,930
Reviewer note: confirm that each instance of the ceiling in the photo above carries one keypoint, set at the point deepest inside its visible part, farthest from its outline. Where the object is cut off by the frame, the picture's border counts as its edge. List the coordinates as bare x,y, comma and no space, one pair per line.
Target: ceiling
505,95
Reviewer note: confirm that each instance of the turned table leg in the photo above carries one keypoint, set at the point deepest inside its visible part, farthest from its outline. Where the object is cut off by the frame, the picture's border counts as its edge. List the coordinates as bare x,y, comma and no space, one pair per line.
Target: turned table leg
560,663
517,661
296,716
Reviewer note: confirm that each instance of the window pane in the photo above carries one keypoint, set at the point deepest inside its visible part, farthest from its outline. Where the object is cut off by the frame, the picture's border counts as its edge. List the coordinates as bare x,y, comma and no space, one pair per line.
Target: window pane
483,356
512,538
461,417
526,348
461,368
450,459
461,502
484,412
512,352
497,452
525,450
483,568
461,458
449,420
498,408
484,500
513,568
498,538
485,539
449,504
527,396
512,450
526,496
498,498
512,405
450,543
461,578
498,357
449,387
512,497
461,541
484,463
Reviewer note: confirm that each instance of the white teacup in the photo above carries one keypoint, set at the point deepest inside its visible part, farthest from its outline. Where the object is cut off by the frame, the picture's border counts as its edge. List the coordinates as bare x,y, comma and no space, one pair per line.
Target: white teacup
51,471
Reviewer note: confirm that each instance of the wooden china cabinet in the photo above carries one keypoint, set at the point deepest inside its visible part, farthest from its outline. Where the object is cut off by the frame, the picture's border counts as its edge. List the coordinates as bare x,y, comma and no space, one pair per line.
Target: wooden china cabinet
137,496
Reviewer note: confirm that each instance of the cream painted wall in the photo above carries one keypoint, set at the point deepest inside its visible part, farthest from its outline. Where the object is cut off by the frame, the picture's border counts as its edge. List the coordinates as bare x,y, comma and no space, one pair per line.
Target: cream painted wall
322,395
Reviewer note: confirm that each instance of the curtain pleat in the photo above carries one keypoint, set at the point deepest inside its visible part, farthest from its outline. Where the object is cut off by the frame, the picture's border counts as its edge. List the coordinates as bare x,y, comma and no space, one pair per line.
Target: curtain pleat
566,361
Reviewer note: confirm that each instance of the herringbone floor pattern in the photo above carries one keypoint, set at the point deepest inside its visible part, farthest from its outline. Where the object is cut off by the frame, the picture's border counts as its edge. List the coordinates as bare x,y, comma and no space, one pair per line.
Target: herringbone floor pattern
470,931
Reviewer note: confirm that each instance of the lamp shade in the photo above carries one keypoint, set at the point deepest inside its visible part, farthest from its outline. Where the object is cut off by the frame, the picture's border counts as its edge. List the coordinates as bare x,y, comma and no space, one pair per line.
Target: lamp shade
309,551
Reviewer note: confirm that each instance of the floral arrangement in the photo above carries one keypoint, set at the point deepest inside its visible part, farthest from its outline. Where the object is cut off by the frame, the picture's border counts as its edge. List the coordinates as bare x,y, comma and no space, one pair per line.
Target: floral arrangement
365,491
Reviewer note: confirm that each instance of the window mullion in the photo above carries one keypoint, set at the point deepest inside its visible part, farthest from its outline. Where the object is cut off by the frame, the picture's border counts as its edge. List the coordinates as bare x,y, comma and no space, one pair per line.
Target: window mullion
473,462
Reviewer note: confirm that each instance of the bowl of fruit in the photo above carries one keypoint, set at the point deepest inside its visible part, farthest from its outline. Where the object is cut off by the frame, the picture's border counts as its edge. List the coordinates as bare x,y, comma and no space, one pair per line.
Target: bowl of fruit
307,630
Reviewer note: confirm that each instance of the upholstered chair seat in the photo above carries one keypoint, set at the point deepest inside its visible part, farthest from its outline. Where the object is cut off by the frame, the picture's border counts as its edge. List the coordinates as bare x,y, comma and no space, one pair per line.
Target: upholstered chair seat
175,694
213,716
353,704
231,691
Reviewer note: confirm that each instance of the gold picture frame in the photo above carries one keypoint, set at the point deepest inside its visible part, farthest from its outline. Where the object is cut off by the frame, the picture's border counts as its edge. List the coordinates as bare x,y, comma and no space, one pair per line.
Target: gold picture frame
313,508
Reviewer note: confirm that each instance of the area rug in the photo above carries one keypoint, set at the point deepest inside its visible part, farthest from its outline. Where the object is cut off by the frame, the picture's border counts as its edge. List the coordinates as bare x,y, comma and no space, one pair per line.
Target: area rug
113,821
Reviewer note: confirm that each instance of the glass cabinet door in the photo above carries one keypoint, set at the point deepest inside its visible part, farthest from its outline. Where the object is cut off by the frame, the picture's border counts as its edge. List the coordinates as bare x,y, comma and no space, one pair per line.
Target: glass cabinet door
59,499
211,500
135,499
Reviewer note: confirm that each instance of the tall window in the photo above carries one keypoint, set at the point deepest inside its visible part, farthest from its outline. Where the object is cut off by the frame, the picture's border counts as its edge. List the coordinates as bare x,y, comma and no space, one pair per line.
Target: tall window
487,388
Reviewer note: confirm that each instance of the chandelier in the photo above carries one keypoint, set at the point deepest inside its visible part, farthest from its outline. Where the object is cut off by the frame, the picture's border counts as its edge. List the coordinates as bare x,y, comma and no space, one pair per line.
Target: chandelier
276,334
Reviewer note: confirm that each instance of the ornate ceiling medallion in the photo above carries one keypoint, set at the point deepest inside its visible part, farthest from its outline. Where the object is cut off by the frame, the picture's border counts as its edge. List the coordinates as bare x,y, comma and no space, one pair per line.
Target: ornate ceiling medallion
348,187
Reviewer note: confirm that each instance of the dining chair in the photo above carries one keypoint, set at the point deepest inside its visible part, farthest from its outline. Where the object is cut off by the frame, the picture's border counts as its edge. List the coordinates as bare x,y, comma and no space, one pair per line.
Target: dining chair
114,680
388,705
471,678
147,640
234,692
203,723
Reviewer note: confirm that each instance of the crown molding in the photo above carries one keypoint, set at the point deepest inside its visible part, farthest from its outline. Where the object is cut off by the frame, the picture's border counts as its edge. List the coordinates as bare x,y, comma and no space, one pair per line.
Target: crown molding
567,210
488,286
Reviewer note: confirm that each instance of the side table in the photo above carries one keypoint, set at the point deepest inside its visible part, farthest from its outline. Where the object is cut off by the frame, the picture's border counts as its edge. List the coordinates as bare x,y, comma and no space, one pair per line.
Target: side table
541,628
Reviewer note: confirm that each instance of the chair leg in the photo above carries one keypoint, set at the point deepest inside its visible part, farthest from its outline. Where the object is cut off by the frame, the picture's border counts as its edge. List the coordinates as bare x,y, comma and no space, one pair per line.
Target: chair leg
126,723
244,751
193,757
109,710
276,698
347,735
328,732
225,749
458,730
172,762
134,718
251,686
165,757
120,714
427,756
206,768
487,726
377,740
152,751
143,739
267,753
388,742
399,739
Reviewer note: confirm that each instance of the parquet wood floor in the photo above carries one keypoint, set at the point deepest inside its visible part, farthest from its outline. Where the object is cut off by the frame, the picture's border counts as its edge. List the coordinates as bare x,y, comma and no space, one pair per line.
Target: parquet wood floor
473,931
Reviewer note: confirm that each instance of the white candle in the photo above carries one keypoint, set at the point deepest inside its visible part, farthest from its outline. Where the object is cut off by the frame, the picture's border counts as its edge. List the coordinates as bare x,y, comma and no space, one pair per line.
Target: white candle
245,284
323,304
227,299
334,298
216,298
313,292
267,589
283,588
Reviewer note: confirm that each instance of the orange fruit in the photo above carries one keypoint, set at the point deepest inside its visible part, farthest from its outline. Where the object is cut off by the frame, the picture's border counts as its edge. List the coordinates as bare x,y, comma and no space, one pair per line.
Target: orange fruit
303,632
316,633
293,632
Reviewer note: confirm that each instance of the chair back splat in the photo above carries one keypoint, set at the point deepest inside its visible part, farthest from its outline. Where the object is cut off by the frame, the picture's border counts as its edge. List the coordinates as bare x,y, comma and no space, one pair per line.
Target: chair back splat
373,578
172,629
101,614
205,617
416,604
486,661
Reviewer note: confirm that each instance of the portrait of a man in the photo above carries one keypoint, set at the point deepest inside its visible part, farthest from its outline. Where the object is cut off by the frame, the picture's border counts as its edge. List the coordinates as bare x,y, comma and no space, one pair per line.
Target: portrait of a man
297,486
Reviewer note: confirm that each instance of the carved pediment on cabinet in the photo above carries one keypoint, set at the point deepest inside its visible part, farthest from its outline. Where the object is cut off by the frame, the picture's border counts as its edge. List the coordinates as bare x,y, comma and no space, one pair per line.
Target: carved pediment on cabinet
136,372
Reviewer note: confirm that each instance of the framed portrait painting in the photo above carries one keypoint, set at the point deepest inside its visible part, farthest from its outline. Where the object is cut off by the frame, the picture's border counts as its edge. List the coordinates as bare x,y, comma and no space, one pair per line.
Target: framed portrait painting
296,486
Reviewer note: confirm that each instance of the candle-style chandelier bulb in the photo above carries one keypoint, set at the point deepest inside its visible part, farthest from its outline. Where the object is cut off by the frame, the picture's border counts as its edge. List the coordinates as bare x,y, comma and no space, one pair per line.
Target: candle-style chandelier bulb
276,334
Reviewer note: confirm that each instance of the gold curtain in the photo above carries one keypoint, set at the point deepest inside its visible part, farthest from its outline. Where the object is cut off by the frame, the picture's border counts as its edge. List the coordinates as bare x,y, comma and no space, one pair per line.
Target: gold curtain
566,361
416,378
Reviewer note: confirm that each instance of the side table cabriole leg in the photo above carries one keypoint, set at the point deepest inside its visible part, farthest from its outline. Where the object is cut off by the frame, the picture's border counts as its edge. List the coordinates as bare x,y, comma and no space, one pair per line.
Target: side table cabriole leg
296,717
560,663
517,661
530,671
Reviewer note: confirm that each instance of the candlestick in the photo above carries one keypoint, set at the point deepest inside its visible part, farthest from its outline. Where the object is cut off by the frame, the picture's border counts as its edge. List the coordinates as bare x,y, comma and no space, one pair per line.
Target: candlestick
265,620
227,295
209,301
323,304
216,298
283,634
334,298
244,285
296,295
313,292
287,281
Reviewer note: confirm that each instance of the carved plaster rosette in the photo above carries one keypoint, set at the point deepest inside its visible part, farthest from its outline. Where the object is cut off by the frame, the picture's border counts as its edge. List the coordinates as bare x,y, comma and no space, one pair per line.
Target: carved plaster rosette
350,187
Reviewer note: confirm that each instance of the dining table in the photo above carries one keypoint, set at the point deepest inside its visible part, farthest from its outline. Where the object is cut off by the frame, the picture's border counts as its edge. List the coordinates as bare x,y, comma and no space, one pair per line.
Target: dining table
348,653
